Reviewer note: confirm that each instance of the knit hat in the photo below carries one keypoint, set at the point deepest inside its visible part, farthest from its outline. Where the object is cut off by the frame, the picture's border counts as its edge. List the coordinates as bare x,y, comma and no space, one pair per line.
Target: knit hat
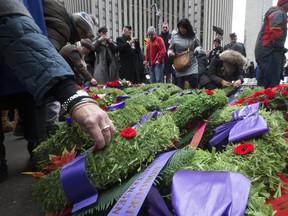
281,2
87,43
84,22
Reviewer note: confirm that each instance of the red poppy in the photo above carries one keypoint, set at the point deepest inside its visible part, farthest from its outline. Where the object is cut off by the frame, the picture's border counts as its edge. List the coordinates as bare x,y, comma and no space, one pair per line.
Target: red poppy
113,83
266,91
128,133
209,92
257,94
265,102
244,148
251,102
95,96
285,93
271,95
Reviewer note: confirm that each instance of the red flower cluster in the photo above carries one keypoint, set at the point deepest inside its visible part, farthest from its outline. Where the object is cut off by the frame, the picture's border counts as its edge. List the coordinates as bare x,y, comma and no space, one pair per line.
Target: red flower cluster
244,148
113,84
128,133
209,92
273,98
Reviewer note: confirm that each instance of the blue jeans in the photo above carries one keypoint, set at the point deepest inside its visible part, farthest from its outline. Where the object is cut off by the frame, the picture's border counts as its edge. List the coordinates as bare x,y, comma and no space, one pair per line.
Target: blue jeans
156,73
270,69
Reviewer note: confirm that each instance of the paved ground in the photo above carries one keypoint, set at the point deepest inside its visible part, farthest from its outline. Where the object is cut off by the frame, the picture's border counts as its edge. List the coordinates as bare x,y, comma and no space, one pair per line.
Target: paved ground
16,193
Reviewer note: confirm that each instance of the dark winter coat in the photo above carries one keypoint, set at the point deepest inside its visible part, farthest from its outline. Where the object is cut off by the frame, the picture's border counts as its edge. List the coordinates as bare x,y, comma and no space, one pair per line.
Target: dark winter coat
272,35
131,60
216,72
168,61
73,56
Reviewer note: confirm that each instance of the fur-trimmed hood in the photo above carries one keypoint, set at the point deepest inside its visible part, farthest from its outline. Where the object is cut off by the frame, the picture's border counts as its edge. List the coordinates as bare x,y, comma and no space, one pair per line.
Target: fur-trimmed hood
233,57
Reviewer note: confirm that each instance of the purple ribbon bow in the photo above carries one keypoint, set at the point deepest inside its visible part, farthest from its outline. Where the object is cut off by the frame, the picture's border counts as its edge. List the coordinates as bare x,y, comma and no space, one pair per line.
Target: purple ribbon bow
246,125
209,193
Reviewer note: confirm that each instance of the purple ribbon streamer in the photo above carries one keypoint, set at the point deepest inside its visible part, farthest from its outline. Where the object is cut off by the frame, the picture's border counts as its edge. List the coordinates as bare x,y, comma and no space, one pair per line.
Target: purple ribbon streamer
122,97
76,185
172,108
157,205
132,200
116,106
145,118
209,193
232,97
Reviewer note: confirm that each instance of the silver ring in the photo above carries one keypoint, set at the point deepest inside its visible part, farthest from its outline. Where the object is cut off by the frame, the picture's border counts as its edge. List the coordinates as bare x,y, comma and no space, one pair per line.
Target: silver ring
106,128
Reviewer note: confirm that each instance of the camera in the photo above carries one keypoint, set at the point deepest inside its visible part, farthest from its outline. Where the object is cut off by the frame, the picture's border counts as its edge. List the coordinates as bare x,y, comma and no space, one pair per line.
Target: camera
218,30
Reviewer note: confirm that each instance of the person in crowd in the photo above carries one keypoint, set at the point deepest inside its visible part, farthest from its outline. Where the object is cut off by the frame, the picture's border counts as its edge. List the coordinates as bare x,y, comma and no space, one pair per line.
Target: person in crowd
202,60
89,54
131,57
224,71
106,63
183,40
60,27
168,69
155,54
73,54
216,50
251,70
38,74
269,48
234,45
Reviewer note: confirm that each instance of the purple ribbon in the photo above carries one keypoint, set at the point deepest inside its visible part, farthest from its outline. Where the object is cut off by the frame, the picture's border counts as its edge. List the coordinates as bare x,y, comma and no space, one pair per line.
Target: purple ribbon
145,118
132,200
209,193
116,106
172,108
246,125
76,185
232,97
122,97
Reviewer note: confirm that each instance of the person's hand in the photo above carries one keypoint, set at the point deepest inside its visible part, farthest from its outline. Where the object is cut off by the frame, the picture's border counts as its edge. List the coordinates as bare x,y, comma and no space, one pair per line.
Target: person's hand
146,64
94,121
237,83
171,54
103,38
157,62
225,83
93,82
109,40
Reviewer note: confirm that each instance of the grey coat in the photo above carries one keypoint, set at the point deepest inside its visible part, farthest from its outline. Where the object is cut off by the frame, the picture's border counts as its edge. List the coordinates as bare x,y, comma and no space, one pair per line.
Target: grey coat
106,64
179,44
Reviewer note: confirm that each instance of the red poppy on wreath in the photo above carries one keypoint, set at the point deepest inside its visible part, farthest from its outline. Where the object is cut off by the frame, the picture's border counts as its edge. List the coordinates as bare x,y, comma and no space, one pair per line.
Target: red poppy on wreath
209,92
128,133
265,102
285,93
251,102
115,83
244,148
95,96
271,95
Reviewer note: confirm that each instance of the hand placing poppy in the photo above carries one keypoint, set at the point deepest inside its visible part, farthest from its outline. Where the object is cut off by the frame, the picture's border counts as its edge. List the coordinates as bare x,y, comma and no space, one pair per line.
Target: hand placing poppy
244,148
128,133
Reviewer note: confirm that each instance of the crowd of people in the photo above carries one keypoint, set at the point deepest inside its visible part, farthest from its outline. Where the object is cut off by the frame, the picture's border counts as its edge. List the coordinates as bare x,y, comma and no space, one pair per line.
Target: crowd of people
46,51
